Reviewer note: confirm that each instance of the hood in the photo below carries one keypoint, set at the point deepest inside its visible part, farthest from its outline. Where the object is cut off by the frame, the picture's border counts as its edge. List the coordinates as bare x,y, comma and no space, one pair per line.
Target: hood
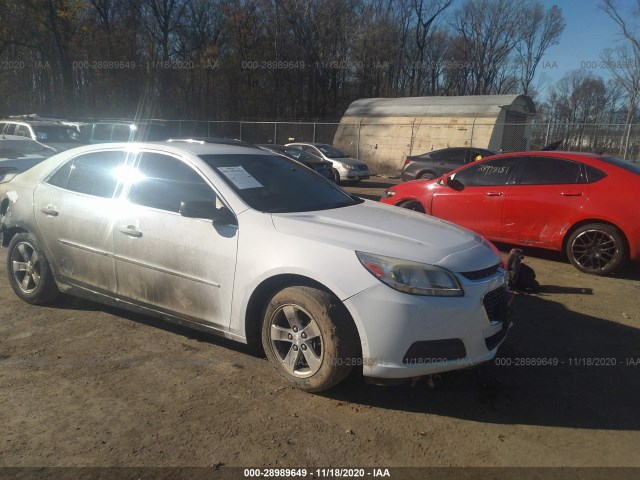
391,231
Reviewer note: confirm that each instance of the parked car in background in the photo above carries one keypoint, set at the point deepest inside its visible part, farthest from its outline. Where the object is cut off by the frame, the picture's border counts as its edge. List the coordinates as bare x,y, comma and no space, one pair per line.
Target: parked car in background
18,154
583,204
246,244
124,131
220,141
345,168
314,162
438,162
57,134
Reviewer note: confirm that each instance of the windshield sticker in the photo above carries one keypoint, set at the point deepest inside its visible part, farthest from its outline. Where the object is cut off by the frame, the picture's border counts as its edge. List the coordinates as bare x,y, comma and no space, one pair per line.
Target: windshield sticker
240,177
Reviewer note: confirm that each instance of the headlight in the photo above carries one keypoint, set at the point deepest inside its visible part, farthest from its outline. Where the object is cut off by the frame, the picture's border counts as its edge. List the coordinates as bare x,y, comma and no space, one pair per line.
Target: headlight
412,277
348,167
388,194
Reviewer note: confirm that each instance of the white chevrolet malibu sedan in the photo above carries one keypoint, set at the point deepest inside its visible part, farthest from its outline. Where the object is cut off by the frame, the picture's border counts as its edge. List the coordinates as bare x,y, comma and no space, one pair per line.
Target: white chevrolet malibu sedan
259,249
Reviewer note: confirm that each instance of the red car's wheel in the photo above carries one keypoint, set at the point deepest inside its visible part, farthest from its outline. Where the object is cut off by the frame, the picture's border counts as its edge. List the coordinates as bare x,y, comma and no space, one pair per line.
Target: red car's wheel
412,205
596,248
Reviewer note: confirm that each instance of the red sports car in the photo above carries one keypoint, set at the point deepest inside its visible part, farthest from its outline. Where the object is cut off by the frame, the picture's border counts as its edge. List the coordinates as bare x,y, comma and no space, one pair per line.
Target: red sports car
583,204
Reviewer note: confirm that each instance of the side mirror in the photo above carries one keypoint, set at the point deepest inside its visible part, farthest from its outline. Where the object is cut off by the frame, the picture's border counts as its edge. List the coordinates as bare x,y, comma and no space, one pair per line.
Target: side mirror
456,185
207,209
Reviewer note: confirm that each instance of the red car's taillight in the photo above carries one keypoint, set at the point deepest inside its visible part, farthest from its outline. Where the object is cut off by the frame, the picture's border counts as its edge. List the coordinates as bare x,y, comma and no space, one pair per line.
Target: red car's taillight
407,161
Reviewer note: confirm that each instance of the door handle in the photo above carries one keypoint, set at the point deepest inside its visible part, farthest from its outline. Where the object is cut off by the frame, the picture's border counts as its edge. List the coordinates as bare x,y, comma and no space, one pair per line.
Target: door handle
493,194
571,194
50,211
130,230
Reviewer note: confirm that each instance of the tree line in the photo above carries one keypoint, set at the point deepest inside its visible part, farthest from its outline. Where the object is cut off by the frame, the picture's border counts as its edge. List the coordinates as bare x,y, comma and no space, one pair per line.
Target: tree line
262,59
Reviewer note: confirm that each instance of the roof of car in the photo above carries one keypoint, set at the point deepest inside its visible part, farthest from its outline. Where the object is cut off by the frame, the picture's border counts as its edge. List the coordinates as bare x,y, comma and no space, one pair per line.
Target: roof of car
37,123
315,144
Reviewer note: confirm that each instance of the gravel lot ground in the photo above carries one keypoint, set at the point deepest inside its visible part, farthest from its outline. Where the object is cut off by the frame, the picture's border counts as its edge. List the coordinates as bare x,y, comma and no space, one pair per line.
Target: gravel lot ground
87,385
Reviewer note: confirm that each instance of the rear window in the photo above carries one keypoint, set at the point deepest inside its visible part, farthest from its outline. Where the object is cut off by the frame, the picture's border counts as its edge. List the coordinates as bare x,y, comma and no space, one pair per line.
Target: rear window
625,165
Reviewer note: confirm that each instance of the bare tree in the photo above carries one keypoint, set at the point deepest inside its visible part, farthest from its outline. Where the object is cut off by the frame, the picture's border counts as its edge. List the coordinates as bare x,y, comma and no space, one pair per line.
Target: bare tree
624,62
490,30
540,31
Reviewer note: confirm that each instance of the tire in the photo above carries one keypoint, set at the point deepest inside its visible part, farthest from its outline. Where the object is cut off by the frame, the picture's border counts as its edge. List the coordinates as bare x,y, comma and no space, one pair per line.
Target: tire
336,176
311,329
412,205
28,270
596,248
426,176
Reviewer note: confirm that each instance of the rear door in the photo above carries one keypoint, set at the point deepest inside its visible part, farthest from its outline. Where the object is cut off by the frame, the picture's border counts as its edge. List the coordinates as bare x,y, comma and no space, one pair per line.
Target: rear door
477,205
74,211
545,201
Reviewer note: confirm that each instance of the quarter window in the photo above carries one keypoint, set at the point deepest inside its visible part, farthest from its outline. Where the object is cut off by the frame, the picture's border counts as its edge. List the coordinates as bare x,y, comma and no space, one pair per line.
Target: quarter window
165,182
550,171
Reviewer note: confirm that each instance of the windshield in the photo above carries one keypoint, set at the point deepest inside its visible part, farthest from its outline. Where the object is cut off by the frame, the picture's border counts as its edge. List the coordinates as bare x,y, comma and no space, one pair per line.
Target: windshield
332,152
270,183
618,162
57,134
301,155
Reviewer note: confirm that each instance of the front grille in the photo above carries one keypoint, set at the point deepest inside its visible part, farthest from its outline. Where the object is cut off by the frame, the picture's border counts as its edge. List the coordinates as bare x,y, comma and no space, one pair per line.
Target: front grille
496,304
480,274
433,352
362,167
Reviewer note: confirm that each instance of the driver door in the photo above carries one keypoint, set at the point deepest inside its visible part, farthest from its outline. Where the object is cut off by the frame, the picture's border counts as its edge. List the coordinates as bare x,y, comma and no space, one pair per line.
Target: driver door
183,266
478,203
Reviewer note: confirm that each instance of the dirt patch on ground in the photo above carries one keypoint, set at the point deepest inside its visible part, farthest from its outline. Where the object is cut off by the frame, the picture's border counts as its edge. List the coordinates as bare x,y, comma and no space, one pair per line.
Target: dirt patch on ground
86,385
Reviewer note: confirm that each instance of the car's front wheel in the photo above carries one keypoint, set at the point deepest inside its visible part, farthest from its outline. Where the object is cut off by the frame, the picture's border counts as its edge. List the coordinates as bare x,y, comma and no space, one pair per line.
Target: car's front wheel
412,205
28,270
596,248
336,176
309,338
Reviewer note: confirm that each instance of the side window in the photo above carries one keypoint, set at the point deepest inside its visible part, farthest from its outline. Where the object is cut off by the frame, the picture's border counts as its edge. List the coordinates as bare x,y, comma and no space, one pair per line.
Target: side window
492,172
308,149
594,174
166,181
121,133
550,171
10,129
455,156
3,125
477,155
102,132
92,174
23,131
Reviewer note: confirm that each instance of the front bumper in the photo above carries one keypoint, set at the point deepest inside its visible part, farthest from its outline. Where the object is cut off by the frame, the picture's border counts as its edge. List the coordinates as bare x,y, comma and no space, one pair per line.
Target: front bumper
406,336
347,174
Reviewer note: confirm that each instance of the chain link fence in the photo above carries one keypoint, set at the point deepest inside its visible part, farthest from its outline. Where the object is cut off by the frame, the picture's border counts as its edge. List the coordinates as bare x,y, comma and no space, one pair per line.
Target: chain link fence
366,139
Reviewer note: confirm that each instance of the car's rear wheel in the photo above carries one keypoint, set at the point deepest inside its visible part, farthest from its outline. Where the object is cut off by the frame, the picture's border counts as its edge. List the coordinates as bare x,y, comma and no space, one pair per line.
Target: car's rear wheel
426,176
28,270
412,205
309,338
596,248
